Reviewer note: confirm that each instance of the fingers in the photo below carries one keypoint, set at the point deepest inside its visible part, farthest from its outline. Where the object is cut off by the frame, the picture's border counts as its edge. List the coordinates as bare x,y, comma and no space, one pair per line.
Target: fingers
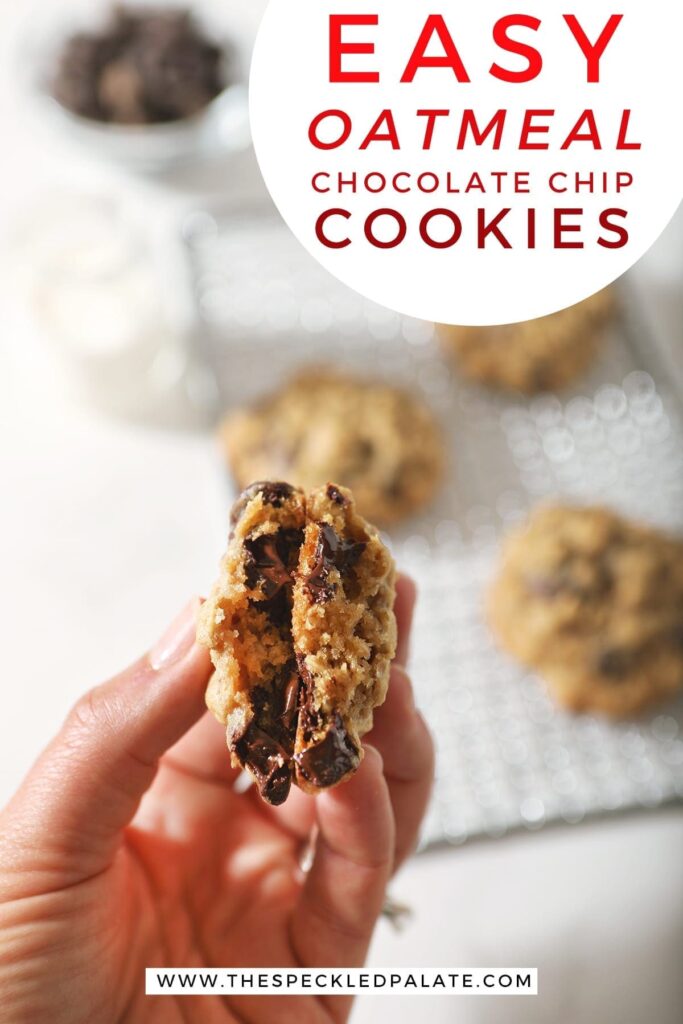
406,595
342,895
87,785
402,738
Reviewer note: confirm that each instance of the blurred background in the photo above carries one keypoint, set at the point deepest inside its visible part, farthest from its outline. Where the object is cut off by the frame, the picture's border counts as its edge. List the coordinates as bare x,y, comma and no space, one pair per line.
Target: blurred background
147,289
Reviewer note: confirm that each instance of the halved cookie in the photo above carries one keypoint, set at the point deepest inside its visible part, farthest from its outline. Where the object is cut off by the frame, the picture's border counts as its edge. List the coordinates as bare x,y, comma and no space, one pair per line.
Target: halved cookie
344,634
297,691
246,624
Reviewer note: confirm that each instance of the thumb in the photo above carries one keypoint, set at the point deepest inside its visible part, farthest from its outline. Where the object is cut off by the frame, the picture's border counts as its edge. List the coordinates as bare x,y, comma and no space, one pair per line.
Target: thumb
66,820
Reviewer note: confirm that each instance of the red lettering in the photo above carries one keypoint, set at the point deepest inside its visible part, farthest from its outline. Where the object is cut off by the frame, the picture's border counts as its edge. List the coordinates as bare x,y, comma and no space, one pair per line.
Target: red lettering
435,25
377,135
448,242
317,121
338,48
484,229
370,226
605,221
529,53
431,116
623,129
529,128
592,51
321,224
316,186
560,228
576,135
469,123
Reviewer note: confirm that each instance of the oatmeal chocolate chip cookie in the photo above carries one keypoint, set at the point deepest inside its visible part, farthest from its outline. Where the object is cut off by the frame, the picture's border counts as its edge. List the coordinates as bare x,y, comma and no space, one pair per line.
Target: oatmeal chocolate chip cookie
301,631
246,623
344,634
595,604
539,355
324,425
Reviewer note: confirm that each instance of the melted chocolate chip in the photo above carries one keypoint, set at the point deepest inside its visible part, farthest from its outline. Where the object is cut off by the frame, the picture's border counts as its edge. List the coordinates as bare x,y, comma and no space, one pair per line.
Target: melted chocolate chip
311,721
331,553
268,762
331,759
615,663
274,494
278,609
306,676
276,708
259,699
335,495
270,560
290,704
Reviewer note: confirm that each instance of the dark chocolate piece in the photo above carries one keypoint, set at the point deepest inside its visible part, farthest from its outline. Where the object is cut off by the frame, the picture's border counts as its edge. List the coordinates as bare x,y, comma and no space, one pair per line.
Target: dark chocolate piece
290,703
274,494
331,553
268,762
265,565
271,559
329,760
615,663
143,67
335,495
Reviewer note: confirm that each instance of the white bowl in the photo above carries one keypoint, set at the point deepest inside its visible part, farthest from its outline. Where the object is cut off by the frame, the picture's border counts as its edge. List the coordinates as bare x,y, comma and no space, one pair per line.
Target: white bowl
221,127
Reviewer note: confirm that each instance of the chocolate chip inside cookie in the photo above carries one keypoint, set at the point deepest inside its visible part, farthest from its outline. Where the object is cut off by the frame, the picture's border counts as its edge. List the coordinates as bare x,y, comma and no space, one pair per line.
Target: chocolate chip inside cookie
331,552
327,761
286,718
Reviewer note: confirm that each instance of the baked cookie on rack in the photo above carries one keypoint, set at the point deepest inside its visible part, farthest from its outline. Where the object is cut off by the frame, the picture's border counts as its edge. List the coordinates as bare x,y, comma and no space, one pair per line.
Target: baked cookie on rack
301,630
538,355
594,602
323,424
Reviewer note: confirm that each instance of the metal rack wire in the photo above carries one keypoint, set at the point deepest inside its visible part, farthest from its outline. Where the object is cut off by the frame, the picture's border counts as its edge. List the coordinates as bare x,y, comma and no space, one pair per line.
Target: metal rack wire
507,756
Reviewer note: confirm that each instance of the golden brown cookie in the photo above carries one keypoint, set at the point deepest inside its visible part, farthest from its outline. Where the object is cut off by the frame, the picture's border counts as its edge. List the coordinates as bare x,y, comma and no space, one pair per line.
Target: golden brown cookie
325,425
344,634
594,602
301,630
538,355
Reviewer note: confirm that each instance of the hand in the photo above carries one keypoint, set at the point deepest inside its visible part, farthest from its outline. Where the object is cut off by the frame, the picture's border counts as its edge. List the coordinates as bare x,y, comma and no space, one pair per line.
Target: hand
128,846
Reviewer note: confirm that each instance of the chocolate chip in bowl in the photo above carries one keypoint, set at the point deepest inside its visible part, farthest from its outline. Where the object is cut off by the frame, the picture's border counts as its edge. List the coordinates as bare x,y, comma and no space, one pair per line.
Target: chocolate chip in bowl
143,66
144,86
301,630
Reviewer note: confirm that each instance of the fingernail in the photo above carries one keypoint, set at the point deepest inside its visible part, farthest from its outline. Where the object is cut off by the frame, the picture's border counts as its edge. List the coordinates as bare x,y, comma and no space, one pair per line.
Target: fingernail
178,639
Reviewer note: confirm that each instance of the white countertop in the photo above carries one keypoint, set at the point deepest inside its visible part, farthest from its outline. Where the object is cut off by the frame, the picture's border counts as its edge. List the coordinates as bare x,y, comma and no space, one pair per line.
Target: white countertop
107,527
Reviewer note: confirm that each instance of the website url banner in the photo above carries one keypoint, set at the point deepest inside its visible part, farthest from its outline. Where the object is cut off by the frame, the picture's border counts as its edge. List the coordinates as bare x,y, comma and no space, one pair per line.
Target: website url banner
470,981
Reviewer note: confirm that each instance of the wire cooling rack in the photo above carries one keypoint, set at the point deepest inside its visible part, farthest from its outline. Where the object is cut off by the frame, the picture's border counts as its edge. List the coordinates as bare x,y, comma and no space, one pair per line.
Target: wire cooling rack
507,757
